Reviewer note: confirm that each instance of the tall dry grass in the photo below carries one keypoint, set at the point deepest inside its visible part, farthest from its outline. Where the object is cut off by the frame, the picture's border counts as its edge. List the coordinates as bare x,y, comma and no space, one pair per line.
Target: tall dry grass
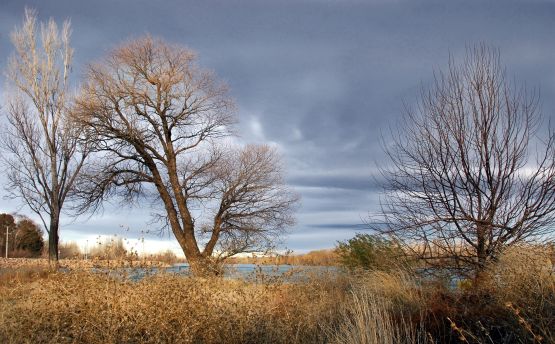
384,308
67,250
326,257
516,305
83,307
524,282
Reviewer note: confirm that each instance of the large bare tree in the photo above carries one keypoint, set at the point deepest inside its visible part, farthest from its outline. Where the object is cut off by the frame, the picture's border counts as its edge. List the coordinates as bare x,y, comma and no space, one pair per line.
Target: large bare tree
42,153
469,174
155,118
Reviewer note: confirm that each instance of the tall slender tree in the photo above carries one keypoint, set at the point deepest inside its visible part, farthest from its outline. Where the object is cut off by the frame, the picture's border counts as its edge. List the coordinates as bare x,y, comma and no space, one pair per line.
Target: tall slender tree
43,155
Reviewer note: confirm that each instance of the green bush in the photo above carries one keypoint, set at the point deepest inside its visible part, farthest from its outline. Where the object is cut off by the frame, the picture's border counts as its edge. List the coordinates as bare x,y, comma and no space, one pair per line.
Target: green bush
371,252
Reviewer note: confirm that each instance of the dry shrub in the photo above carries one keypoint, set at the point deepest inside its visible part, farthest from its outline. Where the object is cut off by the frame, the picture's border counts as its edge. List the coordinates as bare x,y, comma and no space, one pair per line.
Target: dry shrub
523,281
109,248
15,277
168,257
20,253
68,250
513,303
516,306
326,257
374,320
384,308
82,307
79,264
398,286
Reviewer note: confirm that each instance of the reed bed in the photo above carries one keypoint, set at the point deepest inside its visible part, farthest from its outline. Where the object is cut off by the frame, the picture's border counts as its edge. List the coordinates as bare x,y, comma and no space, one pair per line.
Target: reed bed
516,304
83,307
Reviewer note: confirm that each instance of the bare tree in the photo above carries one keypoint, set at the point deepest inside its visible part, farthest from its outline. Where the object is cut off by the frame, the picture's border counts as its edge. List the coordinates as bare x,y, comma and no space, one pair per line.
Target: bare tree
254,204
469,174
154,117
43,156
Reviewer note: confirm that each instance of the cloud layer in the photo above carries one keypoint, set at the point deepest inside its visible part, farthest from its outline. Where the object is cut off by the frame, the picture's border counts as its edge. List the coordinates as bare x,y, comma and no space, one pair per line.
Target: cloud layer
323,80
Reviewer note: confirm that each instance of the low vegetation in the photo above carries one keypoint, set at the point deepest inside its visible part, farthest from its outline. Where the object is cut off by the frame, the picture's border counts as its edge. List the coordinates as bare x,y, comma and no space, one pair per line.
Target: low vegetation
516,305
366,251
313,258
83,307
113,248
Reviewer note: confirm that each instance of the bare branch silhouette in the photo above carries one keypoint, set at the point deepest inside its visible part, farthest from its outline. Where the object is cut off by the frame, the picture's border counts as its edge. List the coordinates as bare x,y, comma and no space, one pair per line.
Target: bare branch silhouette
467,178
155,119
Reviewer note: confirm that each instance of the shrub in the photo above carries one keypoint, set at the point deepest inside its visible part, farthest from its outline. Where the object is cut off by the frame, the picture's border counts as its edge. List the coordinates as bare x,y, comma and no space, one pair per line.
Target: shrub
109,248
29,238
371,319
371,252
516,305
523,281
69,250
168,257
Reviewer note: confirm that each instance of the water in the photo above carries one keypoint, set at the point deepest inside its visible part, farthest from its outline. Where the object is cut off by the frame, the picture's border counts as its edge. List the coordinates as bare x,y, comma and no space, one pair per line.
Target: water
234,271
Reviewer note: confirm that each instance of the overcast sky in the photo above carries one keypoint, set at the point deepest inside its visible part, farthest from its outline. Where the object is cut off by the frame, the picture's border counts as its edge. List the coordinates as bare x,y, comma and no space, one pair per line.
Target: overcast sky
322,80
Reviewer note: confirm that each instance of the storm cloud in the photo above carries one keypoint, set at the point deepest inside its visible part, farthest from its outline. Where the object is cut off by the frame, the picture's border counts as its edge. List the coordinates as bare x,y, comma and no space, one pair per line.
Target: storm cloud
322,80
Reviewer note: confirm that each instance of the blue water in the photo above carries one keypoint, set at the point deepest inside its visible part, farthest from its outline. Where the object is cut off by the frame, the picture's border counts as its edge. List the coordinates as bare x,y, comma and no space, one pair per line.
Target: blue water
239,271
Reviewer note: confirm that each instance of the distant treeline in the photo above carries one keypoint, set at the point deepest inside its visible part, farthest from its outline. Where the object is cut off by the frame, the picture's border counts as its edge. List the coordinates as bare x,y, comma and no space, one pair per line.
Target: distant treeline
22,236
113,248
325,257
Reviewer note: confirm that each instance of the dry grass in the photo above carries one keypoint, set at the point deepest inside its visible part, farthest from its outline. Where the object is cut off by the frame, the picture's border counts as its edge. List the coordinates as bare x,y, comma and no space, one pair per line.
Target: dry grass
81,307
313,258
84,307
77,264
38,306
384,308
524,282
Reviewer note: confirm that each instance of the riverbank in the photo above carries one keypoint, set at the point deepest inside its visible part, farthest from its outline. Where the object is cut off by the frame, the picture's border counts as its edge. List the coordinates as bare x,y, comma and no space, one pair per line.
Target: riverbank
515,305
77,264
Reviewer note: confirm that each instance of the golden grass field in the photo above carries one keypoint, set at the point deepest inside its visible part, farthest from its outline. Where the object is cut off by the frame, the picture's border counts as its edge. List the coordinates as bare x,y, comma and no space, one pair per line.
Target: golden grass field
516,305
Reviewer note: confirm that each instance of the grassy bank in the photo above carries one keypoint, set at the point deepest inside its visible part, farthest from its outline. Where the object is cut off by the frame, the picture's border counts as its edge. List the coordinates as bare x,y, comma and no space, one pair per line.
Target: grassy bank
516,304
81,307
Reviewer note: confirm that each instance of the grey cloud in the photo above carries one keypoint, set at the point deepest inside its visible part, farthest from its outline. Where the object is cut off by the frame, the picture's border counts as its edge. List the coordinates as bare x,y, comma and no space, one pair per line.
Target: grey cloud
340,182
324,79
356,226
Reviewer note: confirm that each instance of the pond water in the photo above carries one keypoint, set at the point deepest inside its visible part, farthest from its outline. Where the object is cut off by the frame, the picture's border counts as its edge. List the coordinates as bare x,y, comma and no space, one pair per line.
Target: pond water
239,271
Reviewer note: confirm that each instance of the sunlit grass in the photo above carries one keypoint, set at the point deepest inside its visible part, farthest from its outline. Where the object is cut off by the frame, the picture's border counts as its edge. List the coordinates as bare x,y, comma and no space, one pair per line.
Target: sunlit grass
76,305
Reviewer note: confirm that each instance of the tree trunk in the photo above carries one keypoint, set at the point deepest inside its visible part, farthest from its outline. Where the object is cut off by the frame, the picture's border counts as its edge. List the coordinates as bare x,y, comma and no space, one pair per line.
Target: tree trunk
202,266
53,240
480,272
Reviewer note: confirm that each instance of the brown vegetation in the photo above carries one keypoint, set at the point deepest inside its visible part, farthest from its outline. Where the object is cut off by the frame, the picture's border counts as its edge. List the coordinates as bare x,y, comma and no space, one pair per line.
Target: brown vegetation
95,308
22,235
167,257
517,305
69,250
326,257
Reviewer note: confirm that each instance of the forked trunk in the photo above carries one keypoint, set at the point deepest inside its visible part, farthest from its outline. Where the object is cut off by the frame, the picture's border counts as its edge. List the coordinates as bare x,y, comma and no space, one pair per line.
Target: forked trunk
202,266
